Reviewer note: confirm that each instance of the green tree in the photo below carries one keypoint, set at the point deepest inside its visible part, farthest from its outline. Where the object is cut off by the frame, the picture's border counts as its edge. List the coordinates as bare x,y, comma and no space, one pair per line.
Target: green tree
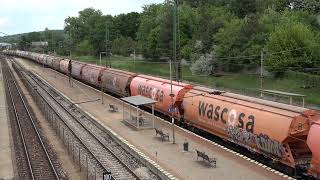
239,43
90,25
188,18
312,6
123,46
243,7
298,48
210,21
84,48
149,30
24,43
127,24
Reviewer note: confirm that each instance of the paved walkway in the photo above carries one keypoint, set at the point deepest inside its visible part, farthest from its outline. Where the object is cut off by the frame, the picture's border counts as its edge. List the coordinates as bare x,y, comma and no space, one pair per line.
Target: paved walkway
168,155
6,168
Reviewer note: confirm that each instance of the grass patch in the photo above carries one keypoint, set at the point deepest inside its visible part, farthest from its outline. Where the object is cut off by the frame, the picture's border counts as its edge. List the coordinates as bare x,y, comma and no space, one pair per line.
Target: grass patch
241,83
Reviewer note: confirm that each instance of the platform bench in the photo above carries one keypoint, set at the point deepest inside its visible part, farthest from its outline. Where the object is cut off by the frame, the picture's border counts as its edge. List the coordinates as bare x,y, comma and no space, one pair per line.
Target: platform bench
113,108
211,161
162,134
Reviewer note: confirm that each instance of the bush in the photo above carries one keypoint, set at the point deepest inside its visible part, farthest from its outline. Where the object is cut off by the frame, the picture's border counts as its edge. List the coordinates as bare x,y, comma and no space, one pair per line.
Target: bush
204,65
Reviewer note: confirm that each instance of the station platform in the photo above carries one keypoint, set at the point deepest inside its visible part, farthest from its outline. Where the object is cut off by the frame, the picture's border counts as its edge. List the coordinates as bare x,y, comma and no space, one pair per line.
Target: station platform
171,157
6,163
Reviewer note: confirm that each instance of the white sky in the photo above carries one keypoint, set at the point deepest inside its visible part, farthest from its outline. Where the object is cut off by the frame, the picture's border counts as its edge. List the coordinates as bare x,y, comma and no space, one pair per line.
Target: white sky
19,16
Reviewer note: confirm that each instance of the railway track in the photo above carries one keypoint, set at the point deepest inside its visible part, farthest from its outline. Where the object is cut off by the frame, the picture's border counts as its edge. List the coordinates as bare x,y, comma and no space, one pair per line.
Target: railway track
33,157
108,154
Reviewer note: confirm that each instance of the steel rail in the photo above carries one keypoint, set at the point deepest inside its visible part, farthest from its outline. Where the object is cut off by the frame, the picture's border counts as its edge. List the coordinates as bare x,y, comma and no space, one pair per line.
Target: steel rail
71,130
25,106
36,80
19,127
88,130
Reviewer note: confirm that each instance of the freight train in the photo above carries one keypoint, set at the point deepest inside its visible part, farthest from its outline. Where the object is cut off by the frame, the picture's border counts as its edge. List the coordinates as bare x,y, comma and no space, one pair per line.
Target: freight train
284,133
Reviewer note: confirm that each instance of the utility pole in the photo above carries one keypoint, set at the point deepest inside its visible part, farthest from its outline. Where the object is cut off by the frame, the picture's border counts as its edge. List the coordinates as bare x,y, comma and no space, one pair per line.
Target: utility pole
175,36
178,42
53,46
70,44
134,59
261,74
172,108
175,60
107,45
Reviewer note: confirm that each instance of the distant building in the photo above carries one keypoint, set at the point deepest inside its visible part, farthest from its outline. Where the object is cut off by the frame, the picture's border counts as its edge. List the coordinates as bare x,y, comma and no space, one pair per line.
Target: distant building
5,46
39,44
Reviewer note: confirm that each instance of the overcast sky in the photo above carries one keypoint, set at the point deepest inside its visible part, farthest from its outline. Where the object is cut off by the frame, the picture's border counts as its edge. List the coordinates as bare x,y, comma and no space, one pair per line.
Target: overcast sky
20,16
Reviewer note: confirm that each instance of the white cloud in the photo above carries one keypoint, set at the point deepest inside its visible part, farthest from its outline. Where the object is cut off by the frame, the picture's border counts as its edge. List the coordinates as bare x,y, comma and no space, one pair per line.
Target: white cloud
35,15
4,21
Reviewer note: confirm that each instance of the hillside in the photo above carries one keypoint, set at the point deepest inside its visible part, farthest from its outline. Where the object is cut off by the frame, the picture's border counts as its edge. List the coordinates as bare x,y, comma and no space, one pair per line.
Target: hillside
17,37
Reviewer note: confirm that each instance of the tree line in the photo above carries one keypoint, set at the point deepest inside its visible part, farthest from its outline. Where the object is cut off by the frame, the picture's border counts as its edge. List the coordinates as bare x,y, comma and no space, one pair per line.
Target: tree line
213,36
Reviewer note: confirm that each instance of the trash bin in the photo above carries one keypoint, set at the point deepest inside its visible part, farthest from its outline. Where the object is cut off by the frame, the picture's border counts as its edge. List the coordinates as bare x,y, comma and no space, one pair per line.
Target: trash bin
185,146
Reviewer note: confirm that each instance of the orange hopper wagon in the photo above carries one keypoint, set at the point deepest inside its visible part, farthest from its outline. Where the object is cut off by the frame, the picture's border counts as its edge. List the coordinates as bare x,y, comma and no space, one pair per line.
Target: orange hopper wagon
314,144
159,89
276,130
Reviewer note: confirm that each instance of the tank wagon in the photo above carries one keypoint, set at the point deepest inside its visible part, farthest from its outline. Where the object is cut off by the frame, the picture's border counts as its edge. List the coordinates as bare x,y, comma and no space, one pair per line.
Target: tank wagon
284,133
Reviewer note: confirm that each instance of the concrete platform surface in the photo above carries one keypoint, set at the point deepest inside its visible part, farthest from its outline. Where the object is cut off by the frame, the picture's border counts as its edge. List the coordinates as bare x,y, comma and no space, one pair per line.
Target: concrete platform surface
169,156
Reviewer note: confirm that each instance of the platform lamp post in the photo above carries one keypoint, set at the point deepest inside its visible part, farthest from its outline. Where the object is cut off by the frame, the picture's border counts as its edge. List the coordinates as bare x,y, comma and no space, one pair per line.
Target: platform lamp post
175,60
172,108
